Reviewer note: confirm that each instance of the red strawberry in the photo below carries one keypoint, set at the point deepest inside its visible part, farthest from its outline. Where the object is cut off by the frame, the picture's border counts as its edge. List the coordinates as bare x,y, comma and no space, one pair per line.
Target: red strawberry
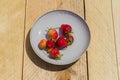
65,29
70,39
52,33
50,43
55,54
61,42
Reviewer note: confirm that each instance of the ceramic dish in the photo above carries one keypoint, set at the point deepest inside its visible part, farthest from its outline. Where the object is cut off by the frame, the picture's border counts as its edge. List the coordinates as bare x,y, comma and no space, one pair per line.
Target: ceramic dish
54,19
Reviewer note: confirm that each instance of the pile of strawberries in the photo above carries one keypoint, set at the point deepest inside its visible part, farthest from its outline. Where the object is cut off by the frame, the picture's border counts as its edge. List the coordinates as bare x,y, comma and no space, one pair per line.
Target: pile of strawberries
56,42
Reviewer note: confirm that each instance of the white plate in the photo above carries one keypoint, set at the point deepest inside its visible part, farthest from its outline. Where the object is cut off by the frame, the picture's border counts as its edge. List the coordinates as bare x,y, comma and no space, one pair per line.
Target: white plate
53,19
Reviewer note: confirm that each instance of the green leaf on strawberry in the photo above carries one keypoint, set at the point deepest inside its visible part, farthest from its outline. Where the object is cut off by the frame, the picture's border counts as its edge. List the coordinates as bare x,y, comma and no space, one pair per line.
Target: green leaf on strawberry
70,39
59,57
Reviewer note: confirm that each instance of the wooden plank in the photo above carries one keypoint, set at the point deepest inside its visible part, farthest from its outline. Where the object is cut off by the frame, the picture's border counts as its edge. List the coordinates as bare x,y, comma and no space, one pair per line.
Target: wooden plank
101,53
11,38
34,67
116,18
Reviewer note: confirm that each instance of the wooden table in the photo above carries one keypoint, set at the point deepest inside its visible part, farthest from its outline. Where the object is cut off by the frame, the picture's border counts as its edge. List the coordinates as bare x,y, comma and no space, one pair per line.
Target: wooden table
19,62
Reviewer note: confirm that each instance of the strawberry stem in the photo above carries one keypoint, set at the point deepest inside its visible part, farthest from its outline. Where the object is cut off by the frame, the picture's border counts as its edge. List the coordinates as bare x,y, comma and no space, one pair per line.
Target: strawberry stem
48,29
59,57
70,33
69,41
45,52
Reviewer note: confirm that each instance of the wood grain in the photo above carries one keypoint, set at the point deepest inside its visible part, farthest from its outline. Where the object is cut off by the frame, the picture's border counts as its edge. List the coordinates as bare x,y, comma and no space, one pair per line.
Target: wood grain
116,20
34,67
11,38
101,53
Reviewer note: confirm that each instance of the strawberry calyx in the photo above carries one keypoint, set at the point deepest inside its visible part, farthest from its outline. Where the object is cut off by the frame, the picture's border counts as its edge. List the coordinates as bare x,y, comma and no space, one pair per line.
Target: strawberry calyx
49,50
68,34
69,41
59,56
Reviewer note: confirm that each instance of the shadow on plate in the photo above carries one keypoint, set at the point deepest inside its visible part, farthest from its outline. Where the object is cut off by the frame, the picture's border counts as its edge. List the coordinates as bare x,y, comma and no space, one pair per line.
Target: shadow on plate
39,62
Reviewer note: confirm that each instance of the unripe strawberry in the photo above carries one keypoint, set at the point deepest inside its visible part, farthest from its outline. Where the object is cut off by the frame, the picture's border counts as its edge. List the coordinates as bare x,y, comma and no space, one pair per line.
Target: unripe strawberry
52,34
42,44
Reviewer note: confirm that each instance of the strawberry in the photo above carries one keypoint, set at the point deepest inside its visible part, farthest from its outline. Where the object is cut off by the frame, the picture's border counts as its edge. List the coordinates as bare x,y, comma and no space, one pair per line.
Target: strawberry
42,44
50,43
70,39
61,42
65,29
55,54
49,50
52,33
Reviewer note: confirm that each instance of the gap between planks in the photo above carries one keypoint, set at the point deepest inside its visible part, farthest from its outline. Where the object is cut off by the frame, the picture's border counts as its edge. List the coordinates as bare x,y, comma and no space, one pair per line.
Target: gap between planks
115,38
24,39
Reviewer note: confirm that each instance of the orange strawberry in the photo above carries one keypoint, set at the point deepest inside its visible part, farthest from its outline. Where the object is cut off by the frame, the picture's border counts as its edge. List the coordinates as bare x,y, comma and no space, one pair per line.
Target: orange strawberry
42,44
52,34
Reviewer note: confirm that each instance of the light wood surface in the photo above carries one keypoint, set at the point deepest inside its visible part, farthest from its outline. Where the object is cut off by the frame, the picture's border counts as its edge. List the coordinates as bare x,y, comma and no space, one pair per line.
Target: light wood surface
11,38
102,53
19,62
116,22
